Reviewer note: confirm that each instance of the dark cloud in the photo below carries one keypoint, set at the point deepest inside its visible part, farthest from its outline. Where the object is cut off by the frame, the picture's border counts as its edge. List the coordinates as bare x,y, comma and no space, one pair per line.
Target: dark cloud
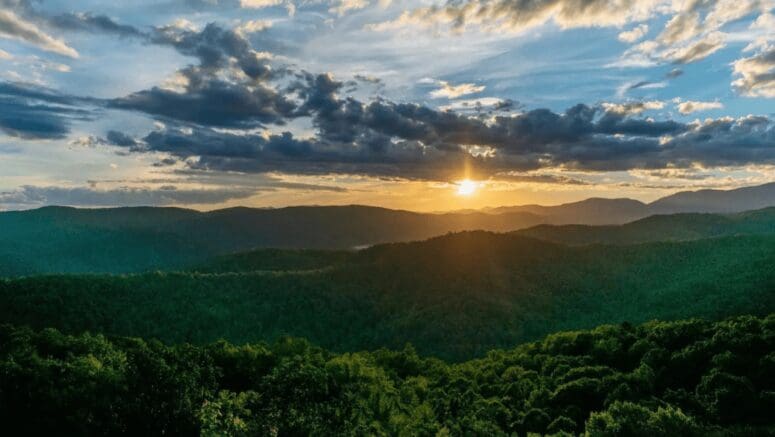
206,149
23,20
87,22
166,162
121,139
640,84
215,46
29,195
386,139
33,112
674,73
542,179
212,102
228,88
506,105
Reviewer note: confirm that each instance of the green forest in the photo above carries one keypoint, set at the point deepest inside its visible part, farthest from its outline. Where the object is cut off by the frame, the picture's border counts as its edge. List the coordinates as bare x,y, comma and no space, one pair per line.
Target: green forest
665,326
685,378
453,297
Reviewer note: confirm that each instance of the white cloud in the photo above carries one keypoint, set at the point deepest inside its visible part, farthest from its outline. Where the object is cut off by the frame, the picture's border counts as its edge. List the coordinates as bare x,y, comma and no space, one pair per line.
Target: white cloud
630,108
260,4
756,74
518,16
630,36
253,26
341,7
454,91
14,27
690,106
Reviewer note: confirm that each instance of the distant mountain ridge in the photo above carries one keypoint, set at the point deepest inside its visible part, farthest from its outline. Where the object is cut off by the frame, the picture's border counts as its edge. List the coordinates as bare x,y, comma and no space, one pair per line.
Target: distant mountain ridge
599,211
674,227
124,240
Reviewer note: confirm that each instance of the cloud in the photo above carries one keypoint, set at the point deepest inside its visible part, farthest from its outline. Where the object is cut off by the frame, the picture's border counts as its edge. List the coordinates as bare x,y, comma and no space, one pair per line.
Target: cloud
696,51
674,73
32,112
341,7
253,26
693,32
630,108
521,15
211,102
401,140
541,178
756,74
14,27
31,196
689,106
87,22
636,33
448,91
260,4
381,138
122,140
228,88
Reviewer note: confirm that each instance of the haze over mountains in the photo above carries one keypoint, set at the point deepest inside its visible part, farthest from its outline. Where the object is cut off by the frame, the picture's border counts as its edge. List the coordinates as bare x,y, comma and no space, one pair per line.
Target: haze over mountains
118,240
598,211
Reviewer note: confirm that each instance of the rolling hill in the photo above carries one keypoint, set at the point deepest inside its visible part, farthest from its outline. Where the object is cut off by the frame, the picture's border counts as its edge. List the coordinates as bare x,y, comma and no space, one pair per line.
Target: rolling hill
123,240
455,296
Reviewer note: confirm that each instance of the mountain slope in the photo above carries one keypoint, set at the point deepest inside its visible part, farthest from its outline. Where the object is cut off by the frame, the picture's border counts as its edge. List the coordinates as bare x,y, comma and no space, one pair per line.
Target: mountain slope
722,201
120,240
676,227
597,211
594,211
455,296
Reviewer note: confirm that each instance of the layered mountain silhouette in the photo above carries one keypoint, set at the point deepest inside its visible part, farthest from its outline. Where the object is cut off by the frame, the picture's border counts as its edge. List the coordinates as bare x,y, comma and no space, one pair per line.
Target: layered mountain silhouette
118,240
597,211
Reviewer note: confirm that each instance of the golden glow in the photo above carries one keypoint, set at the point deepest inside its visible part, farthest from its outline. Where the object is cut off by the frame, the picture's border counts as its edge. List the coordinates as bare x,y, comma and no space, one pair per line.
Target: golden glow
466,187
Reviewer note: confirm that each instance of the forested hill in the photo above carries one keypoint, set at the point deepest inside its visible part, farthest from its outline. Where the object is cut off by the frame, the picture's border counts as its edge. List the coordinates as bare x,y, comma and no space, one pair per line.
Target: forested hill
69,240
455,296
674,227
127,240
688,378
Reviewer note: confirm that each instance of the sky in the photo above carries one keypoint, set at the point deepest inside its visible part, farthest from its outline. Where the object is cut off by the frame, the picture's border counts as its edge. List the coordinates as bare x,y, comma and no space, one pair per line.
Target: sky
268,103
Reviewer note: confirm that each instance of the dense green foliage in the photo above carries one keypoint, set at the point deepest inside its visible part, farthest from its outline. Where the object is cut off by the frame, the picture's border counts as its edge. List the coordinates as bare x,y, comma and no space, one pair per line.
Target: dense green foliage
687,378
455,297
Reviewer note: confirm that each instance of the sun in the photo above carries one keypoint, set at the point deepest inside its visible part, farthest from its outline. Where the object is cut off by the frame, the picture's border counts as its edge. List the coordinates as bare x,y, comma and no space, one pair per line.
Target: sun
466,187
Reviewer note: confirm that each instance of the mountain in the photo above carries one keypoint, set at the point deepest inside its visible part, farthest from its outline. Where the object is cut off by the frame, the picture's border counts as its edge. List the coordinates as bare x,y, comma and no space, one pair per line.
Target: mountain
674,227
455,296
594,211
119,240
721,201
124,240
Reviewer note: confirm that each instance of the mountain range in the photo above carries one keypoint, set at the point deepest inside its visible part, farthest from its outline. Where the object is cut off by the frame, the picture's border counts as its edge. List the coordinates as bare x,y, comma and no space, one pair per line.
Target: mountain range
122,240
598,211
